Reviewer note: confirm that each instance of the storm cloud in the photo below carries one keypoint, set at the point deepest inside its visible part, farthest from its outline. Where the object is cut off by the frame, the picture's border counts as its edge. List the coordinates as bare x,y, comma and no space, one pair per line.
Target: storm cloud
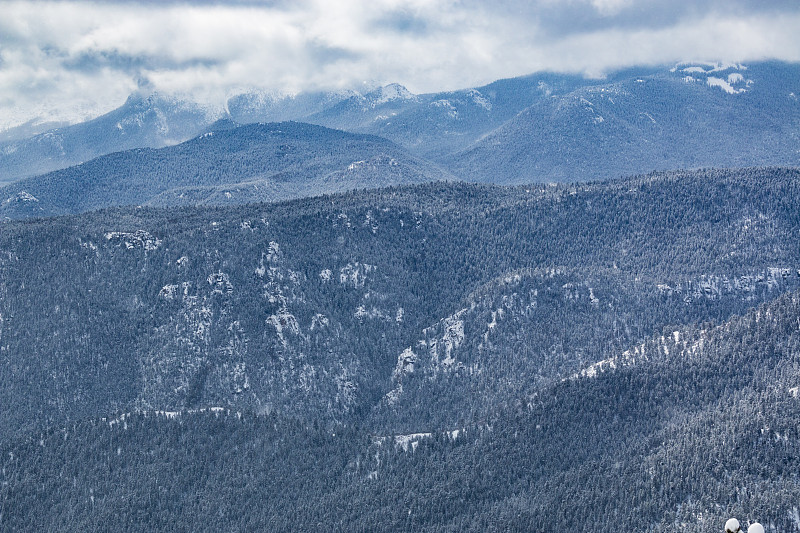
71,60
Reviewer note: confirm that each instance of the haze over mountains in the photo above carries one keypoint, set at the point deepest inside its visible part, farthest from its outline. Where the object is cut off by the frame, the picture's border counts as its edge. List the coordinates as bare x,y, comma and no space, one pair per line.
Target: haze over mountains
143,121
542,127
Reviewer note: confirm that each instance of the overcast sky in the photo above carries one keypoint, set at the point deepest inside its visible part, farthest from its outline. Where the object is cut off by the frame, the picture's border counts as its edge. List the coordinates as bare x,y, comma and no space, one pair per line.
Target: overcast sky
70,60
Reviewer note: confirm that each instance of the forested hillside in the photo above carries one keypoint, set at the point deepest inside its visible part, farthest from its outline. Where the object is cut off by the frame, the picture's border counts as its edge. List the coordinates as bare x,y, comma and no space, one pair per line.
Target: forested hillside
701,426
402,309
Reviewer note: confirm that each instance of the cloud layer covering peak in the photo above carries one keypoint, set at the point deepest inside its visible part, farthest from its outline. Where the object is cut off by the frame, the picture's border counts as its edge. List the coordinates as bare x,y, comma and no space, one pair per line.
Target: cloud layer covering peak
69,60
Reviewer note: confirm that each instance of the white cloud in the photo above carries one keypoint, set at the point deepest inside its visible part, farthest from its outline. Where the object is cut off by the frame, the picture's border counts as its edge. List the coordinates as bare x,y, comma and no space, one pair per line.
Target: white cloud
608,7
69,60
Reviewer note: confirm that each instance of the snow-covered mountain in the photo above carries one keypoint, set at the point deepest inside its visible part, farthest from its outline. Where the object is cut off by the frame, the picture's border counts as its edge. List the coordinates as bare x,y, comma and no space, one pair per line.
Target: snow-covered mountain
405,308
271,106
542,127
691,116
144,120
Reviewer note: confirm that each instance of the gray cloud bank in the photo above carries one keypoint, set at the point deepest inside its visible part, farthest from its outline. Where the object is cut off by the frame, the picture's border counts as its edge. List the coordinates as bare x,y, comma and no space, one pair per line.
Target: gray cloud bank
69,60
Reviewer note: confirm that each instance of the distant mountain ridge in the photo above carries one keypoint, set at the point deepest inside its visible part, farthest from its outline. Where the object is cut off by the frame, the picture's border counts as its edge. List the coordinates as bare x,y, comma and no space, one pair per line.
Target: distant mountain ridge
144,120
541,127
232,165
266,106
690,117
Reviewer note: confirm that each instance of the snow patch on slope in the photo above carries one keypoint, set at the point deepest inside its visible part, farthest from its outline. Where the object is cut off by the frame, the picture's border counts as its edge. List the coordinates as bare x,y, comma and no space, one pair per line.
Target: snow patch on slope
21,197
389,93
355,274
284,322
136,239
711,81
405,363
480,99
412,440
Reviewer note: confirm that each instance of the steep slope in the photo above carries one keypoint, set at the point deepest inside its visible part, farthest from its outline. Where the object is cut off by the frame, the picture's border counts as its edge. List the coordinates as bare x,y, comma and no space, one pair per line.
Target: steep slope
692,117
682,439
306,308
259,162
555,322
143,121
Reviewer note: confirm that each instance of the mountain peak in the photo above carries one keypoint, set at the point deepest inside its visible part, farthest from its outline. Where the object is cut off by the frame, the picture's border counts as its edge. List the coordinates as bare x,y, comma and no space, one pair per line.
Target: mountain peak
388,93
152,100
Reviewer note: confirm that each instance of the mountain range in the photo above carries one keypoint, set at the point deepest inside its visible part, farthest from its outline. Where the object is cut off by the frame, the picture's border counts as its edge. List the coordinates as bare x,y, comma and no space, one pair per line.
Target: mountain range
547,303
539,128
374,301
688,117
